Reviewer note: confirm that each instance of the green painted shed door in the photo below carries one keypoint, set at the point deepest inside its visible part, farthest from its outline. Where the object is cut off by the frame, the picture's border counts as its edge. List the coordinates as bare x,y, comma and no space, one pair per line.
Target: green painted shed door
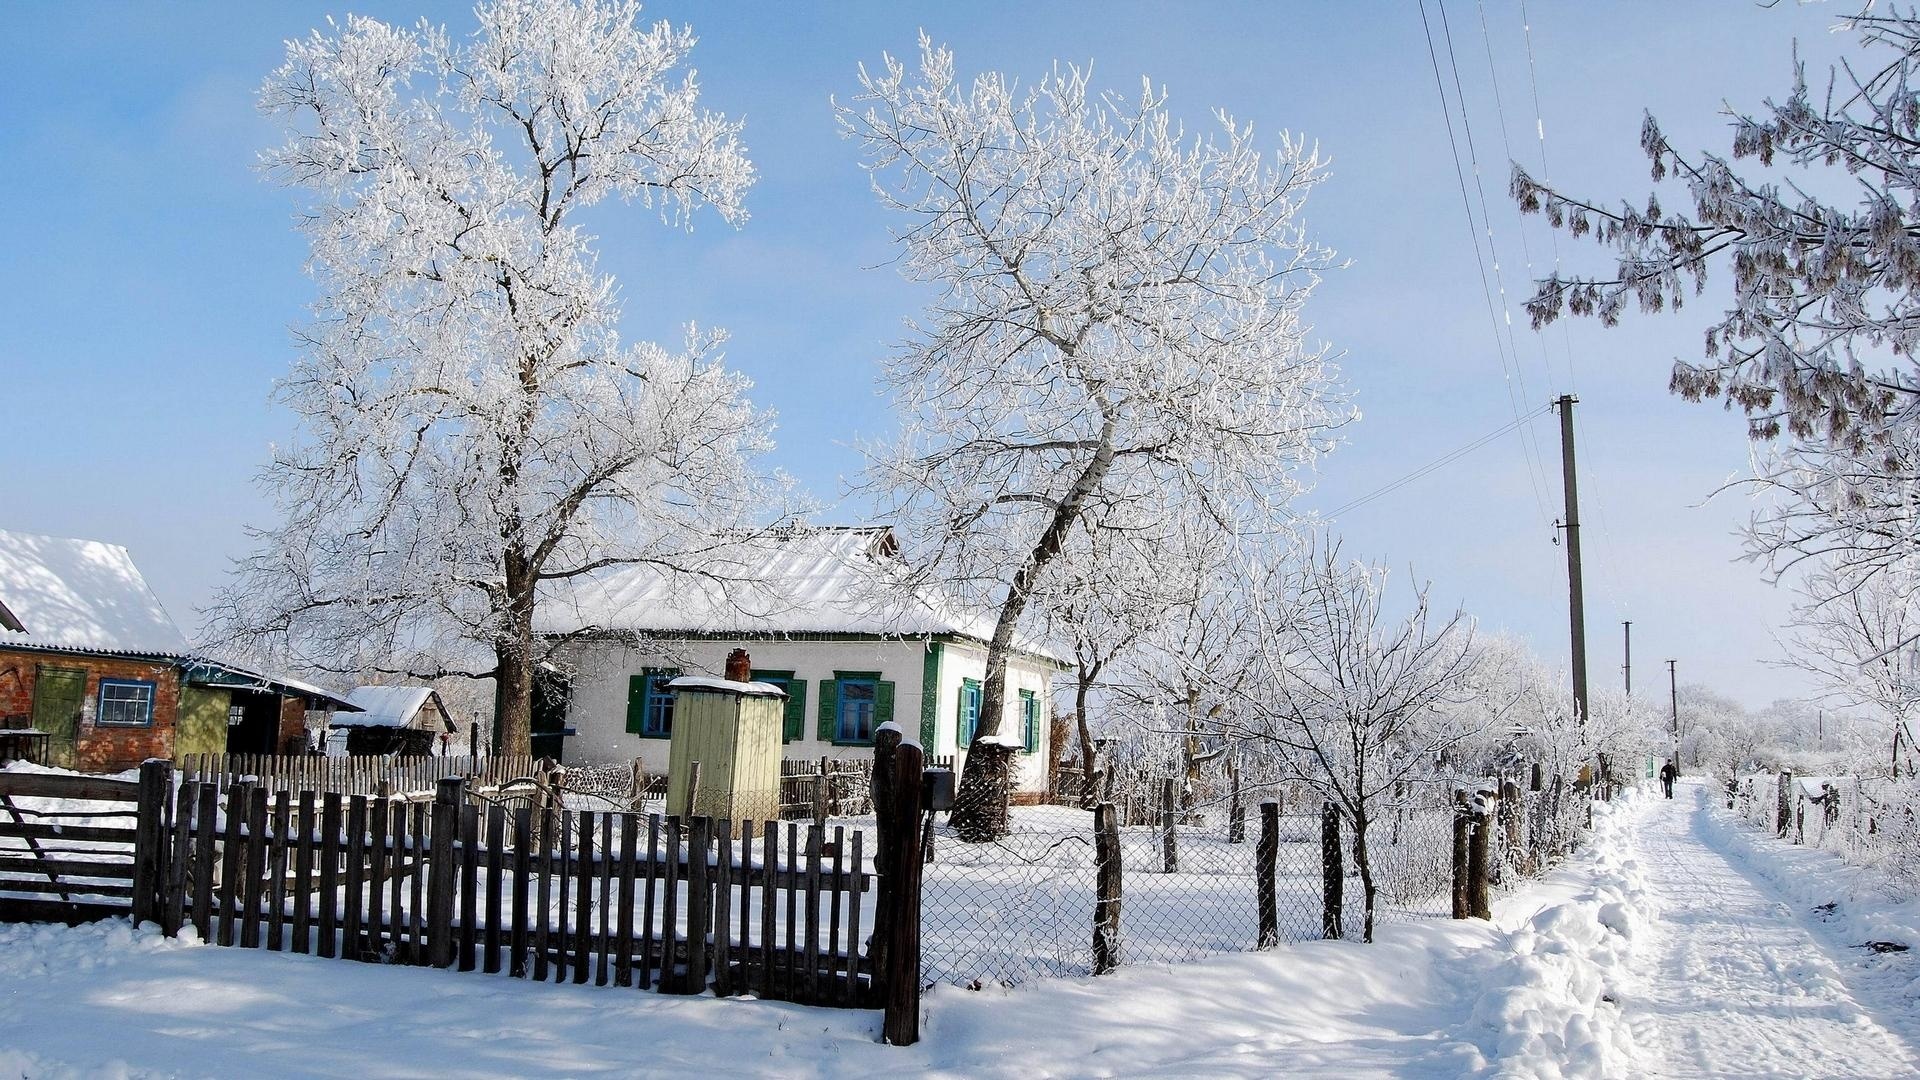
58,694
203,721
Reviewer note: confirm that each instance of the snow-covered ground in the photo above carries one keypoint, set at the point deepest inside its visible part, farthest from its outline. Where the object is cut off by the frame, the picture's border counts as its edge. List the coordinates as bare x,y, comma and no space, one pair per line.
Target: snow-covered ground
1665,949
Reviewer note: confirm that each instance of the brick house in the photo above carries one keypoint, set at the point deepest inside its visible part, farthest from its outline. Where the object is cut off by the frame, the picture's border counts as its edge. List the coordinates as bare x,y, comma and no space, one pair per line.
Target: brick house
89,656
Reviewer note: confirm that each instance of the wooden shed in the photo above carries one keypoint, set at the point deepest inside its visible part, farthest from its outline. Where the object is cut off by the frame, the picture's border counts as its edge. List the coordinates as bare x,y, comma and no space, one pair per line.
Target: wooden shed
732,730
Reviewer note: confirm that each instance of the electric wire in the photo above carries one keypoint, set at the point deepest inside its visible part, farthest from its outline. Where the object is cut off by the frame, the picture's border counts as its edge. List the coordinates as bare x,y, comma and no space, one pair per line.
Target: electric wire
1440,462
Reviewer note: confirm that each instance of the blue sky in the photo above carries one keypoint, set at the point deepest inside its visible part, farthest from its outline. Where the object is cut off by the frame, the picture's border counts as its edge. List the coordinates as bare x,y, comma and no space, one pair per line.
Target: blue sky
148,276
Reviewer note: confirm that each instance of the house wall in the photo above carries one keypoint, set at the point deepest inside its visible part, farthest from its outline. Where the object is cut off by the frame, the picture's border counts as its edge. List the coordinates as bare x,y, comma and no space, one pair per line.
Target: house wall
602,670
202,726
98,749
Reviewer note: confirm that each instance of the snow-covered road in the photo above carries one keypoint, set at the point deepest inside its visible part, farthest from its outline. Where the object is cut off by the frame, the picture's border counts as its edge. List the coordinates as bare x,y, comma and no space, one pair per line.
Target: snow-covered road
1734,981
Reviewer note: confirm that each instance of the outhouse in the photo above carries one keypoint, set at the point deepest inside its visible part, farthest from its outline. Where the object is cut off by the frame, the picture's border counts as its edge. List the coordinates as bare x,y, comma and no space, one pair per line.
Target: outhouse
731,729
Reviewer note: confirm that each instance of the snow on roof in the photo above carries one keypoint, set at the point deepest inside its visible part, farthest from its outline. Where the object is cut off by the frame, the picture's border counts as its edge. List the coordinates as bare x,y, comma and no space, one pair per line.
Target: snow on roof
728,686
387,706
80,594
818,579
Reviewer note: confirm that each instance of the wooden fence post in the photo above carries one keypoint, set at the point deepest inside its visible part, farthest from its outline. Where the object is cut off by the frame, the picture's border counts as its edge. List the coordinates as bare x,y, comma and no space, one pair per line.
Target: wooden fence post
1459,860
448,796
901,1026
1332,871
1783,813
1265,854
1169,836
1477,868
150,841
886,745
1236,810
820,794
1108,889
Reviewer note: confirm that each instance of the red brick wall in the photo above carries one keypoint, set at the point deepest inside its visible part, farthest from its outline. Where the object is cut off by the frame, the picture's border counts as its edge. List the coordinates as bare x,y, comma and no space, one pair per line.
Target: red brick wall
100,749
293,726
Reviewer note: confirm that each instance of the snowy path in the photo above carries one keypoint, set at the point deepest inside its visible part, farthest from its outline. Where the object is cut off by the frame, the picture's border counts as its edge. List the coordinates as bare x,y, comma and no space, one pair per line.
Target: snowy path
1735,982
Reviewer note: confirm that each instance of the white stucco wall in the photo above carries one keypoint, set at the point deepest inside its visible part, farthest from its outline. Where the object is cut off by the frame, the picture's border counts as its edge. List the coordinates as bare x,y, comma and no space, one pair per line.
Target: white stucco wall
598,711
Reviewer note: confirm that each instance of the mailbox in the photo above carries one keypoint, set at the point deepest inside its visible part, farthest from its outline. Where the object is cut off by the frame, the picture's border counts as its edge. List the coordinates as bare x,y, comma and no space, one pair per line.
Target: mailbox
936,789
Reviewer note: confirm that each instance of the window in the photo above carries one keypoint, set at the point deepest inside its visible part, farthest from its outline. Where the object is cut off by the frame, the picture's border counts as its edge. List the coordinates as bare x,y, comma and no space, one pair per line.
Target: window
858,698
236,715
853,705
1030,720
969,714
793,723
650,703
125,703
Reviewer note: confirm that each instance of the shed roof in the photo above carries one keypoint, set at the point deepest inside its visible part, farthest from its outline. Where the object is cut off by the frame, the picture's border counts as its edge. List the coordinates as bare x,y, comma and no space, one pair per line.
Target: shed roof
807,580
80,594
388,706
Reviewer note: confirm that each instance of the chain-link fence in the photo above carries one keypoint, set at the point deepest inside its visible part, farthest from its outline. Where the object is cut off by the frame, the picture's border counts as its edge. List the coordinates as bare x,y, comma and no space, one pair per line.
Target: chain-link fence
1868,821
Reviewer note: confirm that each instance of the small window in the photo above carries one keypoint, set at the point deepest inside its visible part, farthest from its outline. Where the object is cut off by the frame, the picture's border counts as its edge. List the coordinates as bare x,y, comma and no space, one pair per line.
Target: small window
969,718
1030,720
125,703
855,710
236,715
659,706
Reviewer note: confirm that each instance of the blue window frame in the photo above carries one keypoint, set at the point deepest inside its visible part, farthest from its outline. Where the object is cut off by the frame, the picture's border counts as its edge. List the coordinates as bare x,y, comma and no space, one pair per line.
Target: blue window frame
854,711
969,717
659,716
125,703
1030,720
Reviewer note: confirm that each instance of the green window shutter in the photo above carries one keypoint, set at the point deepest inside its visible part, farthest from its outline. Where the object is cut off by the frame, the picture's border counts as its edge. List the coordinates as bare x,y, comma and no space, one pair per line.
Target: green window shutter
828,703
795,727
961,736
882,704
637,700
1030,720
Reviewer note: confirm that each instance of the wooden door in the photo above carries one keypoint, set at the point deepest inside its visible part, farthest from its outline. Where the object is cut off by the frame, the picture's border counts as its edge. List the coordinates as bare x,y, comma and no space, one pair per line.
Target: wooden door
58,694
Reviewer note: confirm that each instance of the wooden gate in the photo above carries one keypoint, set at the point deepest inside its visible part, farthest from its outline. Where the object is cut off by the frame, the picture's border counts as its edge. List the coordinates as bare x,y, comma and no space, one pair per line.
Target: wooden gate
78,848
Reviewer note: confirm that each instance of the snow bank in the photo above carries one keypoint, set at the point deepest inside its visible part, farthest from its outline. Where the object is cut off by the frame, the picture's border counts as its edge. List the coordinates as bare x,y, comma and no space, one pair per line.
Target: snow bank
1554,1004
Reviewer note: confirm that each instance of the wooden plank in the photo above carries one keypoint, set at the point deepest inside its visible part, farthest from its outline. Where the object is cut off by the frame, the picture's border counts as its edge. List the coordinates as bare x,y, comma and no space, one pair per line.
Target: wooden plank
91,833
118,868
852,995
544,893
74,889
522,838
303,875
830,991
416,904
151,839
602,958
62,786
329,872
563,852
277,873
400,869
768,931
72,913
233,847
380,840
723,908
469,884
787,985
583,886
670,910
256,867
815,837
744,879
646,922
623,947
699,904
496,851
181,863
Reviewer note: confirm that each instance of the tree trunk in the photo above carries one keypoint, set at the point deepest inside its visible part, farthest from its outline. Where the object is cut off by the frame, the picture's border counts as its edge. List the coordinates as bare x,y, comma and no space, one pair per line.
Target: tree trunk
1089,793
1360,856
512,701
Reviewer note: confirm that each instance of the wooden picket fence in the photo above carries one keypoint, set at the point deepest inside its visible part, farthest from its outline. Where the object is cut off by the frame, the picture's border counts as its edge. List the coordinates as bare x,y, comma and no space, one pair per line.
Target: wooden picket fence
357,775
78,848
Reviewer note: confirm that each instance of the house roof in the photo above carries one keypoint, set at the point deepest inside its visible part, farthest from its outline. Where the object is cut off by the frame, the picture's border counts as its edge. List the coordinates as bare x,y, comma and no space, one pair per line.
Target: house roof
388,706
807,580
80,594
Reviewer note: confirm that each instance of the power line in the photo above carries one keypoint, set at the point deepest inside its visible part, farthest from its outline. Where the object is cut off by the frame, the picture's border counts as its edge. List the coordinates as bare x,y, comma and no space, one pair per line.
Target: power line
1440,462
1500,346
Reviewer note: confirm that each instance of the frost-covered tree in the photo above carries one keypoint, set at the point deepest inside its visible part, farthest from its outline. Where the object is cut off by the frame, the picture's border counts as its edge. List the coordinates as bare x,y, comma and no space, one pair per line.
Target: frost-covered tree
1354,701
1859,639
1115,332
1819,340
473,429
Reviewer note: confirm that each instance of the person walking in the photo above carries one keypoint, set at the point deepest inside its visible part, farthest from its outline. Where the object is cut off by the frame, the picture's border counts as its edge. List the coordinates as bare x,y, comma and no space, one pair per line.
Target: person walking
1667,773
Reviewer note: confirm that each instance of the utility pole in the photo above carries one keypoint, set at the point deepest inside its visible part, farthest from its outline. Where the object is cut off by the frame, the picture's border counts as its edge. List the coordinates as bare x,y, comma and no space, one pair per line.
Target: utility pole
1673,688
1626,626
1576,601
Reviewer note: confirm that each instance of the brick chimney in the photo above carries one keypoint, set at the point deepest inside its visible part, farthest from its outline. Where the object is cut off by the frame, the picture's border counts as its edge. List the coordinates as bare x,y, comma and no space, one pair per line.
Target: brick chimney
739,666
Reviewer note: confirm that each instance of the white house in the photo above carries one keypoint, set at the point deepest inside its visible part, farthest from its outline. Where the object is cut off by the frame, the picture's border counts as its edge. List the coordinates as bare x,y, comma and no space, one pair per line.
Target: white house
851,652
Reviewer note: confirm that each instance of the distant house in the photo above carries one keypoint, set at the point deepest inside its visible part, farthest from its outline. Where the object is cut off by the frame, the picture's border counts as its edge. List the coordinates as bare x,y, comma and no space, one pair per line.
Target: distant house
88,656
851,652
395,720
